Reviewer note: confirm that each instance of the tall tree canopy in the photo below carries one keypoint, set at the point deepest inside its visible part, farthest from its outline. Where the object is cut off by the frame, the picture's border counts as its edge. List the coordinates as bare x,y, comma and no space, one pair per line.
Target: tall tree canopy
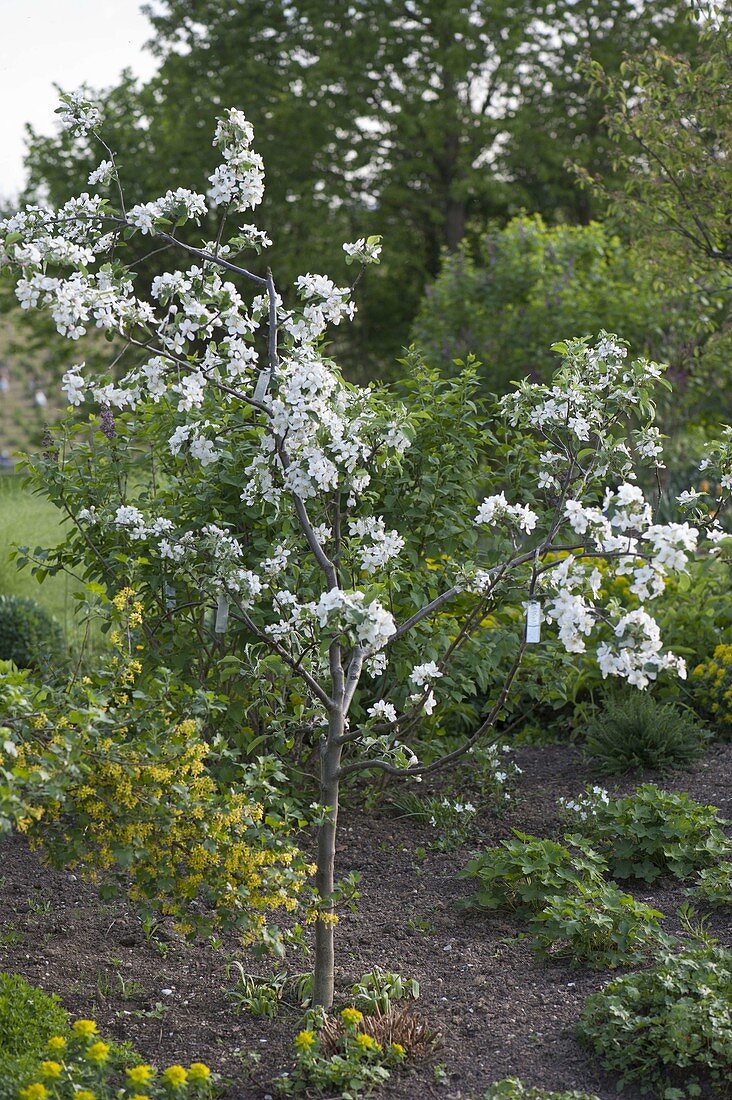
411,119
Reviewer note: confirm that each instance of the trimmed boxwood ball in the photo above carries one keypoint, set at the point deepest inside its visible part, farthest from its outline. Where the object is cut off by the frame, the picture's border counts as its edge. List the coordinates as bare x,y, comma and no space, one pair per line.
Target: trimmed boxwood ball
637,733
29,636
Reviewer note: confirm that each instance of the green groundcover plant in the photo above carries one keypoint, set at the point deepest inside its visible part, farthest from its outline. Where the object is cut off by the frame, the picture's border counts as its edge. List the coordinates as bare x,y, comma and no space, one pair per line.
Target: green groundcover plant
522,874
667,1028
714,885
512,1088
597,925
650,832
28,1019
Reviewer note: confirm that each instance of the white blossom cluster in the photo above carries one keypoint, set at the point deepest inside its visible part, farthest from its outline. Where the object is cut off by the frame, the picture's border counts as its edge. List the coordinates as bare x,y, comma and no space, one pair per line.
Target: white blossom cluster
636,651
363,251
585,806
239,181
173,206
78,114
496,509
622,530
623,527
377,546
329,431
583,408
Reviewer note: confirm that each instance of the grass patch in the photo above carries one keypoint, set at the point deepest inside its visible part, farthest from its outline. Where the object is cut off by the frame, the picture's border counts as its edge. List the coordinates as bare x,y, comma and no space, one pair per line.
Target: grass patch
29,520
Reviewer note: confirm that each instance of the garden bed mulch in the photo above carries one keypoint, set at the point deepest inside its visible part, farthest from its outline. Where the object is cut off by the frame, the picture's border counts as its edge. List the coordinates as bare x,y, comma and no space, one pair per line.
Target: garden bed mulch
499,1010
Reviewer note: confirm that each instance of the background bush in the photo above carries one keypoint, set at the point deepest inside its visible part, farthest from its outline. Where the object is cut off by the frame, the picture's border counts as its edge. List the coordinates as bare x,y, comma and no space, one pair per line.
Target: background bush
29,636
508,298
634,733
711,683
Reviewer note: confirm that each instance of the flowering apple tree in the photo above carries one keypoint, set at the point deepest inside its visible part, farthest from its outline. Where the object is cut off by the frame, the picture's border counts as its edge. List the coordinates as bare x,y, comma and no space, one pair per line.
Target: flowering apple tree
229,388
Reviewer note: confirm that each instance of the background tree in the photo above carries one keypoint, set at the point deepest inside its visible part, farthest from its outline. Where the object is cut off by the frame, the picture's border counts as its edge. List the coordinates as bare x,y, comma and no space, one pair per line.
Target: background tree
517,286
414,120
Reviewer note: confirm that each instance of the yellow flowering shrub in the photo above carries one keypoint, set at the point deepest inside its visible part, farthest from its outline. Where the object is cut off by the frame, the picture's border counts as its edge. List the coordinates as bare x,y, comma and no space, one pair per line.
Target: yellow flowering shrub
114,778
711,685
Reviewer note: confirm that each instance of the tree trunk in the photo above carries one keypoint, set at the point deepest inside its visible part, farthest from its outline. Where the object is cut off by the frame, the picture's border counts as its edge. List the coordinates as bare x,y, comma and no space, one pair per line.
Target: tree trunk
330,759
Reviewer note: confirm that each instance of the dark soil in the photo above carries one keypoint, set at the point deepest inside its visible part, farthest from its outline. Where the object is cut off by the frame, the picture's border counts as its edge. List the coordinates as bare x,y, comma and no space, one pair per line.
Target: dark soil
499,1010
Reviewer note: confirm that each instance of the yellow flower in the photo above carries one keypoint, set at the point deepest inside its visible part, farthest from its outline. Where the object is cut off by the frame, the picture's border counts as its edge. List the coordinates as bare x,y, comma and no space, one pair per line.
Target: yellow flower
351,1016
85,1028
367,1042
84,1094
97,1052
140,1075
51,1069
137,1096
397,1049
175,1076
56,1044
198,1072
34,1092
304,1040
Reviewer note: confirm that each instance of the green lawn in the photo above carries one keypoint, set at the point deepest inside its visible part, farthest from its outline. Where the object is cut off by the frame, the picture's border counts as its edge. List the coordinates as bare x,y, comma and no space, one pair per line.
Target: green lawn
28,520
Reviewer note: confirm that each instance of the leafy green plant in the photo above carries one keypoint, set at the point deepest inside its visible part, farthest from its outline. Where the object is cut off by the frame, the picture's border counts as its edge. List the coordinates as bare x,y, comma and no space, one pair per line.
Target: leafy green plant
28,1019
351,1055
512,1088
714,885
662,1027
29,636
633,734
598,925
650,832
522,874
379,989
263,996
42,1055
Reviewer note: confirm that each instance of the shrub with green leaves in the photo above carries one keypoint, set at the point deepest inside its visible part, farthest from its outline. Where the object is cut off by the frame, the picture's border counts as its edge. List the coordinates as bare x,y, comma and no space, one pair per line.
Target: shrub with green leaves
664,1027
29,636
650,832
714,885
28,1019
637,733
522,874
512,1088
598,925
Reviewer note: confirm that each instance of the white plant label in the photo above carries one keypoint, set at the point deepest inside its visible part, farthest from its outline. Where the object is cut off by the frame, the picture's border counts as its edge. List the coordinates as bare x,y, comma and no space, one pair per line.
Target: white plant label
533,621
260,390
222,615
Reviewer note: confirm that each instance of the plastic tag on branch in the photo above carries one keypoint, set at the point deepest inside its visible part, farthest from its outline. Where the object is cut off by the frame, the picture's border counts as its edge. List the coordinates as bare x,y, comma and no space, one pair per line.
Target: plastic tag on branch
533,622
222,615
260,390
